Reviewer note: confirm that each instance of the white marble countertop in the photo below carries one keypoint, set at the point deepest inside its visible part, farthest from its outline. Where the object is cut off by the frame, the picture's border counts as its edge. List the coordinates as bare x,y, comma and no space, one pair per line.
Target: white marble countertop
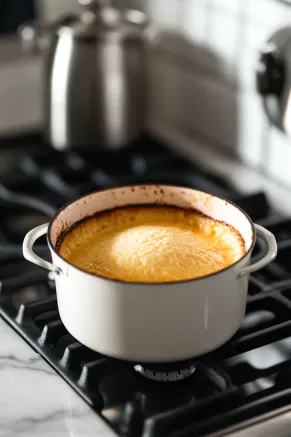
35,400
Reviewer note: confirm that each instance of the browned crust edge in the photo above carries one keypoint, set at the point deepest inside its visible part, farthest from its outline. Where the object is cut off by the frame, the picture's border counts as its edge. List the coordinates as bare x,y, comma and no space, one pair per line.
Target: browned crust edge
107,212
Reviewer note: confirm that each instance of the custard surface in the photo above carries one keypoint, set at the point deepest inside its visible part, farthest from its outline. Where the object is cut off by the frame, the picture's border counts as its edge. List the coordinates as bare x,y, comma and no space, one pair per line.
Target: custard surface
151,244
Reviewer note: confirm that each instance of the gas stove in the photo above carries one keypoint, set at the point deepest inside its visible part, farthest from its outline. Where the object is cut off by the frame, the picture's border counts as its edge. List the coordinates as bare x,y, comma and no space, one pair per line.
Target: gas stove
247,377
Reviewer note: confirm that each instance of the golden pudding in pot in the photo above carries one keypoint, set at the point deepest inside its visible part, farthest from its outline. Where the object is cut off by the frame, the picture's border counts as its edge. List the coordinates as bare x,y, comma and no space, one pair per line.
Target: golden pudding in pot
151,244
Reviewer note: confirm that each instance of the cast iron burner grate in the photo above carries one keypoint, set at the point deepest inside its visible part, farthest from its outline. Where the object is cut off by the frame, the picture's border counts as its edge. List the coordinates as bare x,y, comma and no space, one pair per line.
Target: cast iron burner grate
249,375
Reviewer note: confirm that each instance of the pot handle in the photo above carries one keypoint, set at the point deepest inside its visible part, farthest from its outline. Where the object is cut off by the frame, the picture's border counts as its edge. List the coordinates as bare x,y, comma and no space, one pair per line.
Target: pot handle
28,253
271,254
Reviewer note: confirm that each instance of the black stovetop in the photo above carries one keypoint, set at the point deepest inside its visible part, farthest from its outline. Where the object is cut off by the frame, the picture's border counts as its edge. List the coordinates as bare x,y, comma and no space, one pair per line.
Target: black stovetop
247,376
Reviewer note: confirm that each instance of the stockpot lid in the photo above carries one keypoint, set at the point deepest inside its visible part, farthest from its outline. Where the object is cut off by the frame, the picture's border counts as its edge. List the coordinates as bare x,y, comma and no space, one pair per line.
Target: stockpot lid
100,21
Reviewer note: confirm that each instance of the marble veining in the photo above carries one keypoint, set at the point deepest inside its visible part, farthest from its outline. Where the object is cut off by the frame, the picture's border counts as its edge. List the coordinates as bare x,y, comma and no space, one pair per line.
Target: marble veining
35,400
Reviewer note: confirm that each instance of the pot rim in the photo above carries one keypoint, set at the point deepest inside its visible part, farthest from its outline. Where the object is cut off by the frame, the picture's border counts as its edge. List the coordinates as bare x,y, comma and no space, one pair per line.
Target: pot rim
120,281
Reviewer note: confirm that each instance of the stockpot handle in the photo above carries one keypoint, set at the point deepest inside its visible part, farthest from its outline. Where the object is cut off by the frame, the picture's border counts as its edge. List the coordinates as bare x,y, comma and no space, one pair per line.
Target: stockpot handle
28,253
271,254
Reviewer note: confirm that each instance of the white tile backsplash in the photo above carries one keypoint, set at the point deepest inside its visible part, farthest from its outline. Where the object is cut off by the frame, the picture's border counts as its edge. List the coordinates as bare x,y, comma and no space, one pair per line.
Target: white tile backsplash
252,127
194,20
165,13
263,12
215,94
226,48
279,157
20,108
246,65
200,104
233,6
165,85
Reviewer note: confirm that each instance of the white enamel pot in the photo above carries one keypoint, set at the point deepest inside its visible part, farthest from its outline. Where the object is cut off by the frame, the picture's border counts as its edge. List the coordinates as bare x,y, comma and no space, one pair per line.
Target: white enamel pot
151,322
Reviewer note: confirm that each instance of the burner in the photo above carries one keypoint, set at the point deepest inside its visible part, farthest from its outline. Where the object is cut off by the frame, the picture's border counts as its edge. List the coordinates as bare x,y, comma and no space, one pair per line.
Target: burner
170,375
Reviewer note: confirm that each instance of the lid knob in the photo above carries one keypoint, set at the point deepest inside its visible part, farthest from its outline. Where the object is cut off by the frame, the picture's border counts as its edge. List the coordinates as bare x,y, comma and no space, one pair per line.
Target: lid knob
93,4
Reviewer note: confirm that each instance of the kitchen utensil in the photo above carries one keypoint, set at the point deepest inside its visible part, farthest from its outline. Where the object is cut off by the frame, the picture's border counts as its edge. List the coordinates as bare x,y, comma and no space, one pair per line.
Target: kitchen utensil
151,322
95,77
273,78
